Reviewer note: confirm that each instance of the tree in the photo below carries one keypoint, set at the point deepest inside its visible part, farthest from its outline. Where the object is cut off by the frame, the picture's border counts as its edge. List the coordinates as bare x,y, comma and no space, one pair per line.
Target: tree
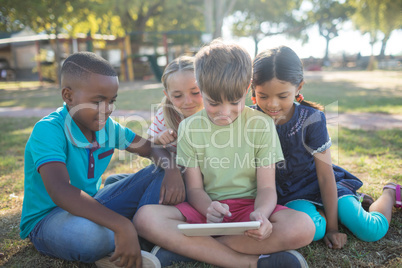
375,16
51,17
390,20
181,21
329,16
261,18
214,14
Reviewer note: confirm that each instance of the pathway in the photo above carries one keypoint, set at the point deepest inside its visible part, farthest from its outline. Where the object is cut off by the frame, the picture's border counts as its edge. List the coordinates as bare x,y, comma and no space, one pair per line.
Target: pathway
366,121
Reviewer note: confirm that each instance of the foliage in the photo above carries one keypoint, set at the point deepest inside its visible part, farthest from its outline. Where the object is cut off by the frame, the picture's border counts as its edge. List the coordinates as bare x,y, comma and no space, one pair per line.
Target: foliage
260,18
375,16
328,15
182,21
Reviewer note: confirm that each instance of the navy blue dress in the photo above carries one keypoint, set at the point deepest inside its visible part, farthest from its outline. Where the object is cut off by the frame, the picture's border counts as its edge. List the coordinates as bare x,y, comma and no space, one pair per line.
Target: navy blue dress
301,137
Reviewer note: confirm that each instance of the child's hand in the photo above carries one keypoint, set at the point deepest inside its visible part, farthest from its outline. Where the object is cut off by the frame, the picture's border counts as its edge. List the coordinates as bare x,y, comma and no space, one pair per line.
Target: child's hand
127,252
172,191
265,229
165,137
335,239
217,211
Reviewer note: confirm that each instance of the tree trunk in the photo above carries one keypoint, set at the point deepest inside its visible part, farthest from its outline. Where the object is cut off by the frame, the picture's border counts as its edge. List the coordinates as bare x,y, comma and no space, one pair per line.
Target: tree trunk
326,57
383,46
222,9
370,66
208,16
256,41
57,57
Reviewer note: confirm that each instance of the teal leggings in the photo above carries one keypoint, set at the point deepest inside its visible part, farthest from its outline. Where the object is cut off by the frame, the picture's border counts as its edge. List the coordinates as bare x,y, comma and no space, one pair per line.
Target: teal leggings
367,226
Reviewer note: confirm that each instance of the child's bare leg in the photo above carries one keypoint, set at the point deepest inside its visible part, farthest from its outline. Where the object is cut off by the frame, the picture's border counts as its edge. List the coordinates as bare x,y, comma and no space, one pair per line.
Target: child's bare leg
385,203
291,230
158,224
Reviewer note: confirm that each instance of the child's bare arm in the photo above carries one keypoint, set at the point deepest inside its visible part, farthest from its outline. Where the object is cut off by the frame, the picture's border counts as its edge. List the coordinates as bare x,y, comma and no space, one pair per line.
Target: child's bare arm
326,180
56,180
196,194
265,202
172,191
165,137
266,199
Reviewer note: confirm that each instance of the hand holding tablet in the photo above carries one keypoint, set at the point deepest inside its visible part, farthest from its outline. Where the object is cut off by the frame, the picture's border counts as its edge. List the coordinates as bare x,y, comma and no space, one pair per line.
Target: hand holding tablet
210,229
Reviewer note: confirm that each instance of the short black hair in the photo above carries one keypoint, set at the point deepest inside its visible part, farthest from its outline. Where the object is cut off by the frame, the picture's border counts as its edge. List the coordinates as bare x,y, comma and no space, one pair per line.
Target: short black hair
83,64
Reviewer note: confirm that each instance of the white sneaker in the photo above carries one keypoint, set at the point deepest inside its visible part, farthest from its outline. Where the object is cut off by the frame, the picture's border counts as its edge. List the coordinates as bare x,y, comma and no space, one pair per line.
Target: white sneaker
148,261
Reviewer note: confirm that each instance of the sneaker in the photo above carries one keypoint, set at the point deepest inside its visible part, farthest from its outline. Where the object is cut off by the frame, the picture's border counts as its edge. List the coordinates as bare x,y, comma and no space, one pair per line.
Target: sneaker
167,257
285,259
145,244
148,261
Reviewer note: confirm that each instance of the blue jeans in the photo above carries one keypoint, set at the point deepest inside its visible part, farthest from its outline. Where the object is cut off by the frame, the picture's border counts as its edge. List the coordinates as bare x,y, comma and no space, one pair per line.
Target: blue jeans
63,235
116,177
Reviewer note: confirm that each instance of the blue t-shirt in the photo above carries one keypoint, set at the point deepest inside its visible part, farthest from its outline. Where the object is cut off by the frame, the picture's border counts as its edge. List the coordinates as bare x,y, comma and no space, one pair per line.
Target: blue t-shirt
56,138
304,135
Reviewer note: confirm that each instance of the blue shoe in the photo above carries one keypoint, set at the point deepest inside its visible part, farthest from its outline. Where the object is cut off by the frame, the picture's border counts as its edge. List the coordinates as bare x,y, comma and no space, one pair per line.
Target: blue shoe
285,259
167,257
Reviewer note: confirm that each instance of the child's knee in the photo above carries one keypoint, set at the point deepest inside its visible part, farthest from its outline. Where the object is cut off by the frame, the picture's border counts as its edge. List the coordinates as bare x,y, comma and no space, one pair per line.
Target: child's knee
367,226
92,244
310,209
144,219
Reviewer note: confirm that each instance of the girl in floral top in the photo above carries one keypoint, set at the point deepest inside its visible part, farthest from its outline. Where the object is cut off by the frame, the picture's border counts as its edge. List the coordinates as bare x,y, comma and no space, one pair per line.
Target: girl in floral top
307,180
182,99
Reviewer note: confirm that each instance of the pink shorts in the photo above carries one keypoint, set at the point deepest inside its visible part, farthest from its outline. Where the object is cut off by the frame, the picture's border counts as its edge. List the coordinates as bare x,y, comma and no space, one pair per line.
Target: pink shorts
240,209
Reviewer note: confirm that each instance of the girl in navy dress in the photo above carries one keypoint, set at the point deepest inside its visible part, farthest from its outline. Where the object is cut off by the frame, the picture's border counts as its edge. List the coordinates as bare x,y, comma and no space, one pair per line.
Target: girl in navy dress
307,180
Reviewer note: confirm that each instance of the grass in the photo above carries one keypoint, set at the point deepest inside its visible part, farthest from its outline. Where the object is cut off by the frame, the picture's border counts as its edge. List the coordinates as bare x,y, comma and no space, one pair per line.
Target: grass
373,156
48,96
375,92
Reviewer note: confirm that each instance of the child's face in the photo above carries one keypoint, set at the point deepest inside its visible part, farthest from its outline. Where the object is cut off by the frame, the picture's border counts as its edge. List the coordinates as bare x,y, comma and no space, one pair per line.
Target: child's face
225,112
184,93
90,101
276,98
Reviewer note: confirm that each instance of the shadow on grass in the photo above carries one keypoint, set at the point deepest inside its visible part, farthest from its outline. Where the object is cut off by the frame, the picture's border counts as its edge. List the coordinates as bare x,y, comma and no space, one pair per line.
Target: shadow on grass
386,143
352,98
14,133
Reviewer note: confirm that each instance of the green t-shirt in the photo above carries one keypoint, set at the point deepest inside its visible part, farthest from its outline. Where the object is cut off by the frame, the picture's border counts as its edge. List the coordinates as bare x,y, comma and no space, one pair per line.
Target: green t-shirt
229,155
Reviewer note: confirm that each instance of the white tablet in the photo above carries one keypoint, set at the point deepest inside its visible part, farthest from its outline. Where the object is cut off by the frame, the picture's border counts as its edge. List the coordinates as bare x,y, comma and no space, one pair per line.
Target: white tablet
209,229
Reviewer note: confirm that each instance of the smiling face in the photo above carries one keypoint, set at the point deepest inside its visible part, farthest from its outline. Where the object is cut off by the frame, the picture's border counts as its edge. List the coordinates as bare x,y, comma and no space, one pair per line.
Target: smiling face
275,98
90,101
184,93
225,112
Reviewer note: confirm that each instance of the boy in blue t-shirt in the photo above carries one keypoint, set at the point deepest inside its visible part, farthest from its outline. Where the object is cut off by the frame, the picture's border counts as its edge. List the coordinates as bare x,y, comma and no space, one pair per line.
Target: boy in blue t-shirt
64,213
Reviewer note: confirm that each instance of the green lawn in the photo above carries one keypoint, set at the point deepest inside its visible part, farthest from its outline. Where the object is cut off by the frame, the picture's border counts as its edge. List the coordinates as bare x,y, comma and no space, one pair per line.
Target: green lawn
375,92
373,156
129,98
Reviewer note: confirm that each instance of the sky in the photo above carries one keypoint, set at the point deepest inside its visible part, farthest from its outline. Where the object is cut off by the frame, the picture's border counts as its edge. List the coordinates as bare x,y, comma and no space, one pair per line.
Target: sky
349,41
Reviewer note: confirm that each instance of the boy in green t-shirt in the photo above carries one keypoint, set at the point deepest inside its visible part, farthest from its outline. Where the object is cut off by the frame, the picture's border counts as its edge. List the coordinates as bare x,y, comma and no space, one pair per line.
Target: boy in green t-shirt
229,152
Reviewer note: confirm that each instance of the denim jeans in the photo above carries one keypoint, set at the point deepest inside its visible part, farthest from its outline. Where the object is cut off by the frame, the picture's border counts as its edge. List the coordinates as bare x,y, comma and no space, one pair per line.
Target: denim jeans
63,235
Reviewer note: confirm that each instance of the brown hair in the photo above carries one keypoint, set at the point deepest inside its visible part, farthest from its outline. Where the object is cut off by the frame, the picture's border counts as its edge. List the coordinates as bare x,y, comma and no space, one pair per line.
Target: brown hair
171,115
223,69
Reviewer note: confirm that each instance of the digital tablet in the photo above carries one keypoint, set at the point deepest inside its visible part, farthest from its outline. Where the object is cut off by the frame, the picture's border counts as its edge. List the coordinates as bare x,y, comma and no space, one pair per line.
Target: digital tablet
209,229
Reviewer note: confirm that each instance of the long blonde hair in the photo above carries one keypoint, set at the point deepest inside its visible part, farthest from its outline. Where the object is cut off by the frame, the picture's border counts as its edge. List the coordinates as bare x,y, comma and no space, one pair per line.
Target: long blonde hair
171,115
